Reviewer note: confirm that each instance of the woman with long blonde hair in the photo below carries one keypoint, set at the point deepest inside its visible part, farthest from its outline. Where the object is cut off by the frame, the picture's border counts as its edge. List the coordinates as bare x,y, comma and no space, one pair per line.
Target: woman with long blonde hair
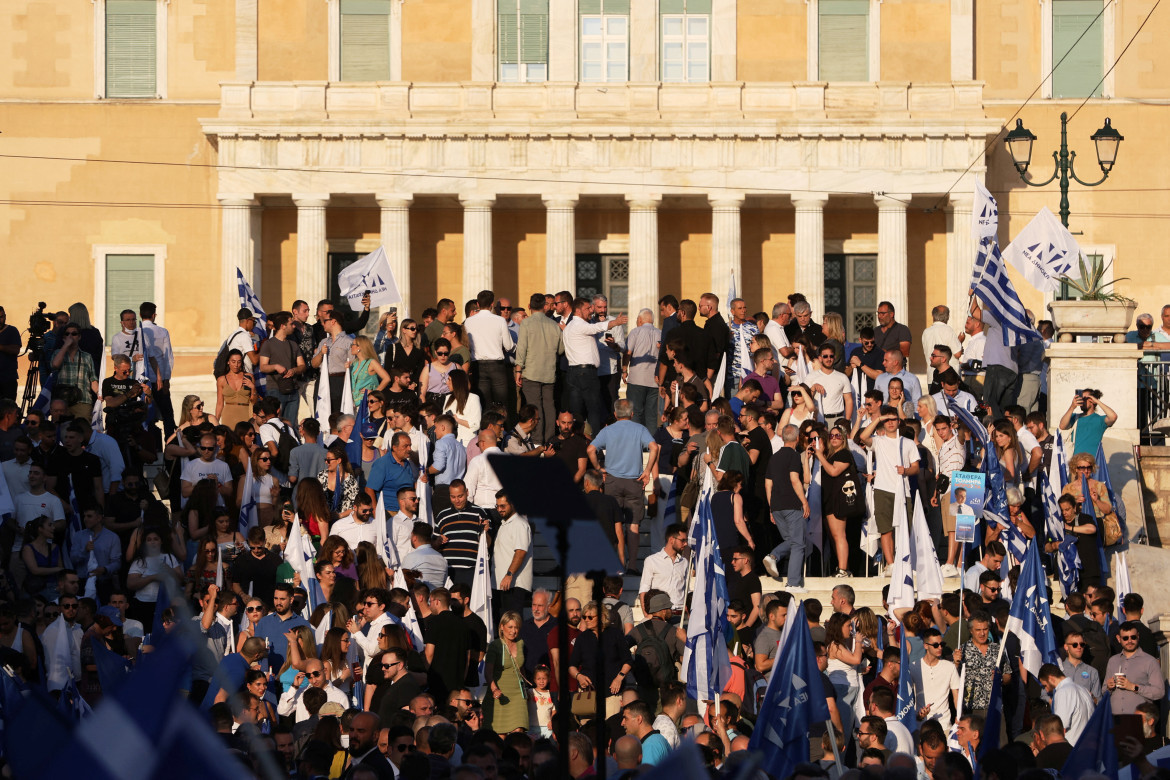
192,413
365,370
834,329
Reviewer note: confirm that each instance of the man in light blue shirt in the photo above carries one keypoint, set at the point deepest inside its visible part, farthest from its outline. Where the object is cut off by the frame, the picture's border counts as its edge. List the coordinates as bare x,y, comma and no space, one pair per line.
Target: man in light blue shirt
625,475
425,559
894,363
448,464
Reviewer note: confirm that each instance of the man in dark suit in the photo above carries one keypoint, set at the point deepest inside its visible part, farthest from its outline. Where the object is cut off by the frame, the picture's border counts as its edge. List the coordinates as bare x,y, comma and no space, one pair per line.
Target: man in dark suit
363,746
802,326
695,342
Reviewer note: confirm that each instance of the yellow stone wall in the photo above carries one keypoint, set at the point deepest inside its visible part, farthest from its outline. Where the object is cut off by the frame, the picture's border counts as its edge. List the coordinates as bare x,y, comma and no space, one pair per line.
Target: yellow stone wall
772,40
436,41
916,40
293,40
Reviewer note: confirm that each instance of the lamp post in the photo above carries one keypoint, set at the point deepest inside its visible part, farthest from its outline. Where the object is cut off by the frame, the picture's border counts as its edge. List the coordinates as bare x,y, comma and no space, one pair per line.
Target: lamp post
1019,146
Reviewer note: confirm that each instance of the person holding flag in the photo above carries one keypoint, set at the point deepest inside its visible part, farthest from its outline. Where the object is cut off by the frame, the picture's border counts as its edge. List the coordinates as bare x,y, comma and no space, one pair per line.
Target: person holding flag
795,699
706,663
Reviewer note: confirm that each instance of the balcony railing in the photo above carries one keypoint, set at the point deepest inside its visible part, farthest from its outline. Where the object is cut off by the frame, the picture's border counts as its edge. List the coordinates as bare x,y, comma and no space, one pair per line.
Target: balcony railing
1154,398
713,103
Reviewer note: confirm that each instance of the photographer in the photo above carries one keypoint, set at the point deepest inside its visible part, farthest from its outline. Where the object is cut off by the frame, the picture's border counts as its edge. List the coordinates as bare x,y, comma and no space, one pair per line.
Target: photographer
1090,425
76,379
126,401
9,349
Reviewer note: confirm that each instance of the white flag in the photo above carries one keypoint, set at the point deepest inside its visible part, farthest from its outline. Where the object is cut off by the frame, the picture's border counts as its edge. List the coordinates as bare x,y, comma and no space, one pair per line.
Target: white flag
324,399
928,579
346,393
386,549
984,215
219,567
91,579
1043,251
901,572
95,420
410,622
370,273
481,587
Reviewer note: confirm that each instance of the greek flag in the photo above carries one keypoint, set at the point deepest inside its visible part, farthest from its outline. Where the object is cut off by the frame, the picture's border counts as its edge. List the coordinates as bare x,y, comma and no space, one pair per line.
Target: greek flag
705,662
901,573
1030,618
1102,476
1124,588
95,419
298,553
1090,509
1068,562
41,404
248,517
793,702
71,704
248,300
991,283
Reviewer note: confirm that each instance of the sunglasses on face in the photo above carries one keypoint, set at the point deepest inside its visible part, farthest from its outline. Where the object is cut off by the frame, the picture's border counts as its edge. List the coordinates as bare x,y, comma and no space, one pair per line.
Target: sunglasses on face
391,666
442,354
253,609
264,460
1129,638
1074,644
206,449
314,674
933,644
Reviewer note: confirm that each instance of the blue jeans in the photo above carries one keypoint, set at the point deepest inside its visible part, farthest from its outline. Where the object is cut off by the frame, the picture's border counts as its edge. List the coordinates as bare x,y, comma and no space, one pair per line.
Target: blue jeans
794,531
645,401
290,403
584,391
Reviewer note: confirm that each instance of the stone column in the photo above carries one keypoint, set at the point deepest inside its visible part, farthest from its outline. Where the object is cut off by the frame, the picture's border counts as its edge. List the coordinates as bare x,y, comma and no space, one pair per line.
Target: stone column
477,246
236,252
312,251
396,241
643,253
960,256
560,243
891,260
725,244
810,249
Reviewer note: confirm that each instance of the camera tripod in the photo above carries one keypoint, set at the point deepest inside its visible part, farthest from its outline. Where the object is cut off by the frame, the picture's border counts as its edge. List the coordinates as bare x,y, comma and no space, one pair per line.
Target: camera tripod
32,381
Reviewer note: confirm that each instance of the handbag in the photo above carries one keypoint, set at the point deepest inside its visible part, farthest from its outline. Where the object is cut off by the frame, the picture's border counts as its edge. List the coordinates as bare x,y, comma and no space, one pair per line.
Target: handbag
1111,527
585,704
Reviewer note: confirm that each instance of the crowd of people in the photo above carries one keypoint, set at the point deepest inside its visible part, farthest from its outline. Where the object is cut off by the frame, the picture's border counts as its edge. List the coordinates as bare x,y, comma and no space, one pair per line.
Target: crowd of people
123,518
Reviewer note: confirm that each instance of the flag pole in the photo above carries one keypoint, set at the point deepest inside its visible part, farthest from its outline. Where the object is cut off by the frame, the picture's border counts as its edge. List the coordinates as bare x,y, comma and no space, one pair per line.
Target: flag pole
833,744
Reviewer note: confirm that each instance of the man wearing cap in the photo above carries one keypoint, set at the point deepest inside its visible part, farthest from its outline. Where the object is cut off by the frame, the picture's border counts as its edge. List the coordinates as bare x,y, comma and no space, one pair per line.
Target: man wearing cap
244,340
657,624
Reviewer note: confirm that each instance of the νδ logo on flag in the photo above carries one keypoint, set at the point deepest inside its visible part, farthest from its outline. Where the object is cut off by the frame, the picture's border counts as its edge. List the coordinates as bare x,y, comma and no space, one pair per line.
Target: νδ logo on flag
1046,259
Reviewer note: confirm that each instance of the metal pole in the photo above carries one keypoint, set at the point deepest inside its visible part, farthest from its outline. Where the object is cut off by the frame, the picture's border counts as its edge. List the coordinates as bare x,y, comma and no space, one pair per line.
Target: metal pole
1063,163
599,681
565,708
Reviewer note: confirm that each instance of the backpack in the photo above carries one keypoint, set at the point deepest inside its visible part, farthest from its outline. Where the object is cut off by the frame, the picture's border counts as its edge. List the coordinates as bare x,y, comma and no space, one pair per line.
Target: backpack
284,447
219,366
653,655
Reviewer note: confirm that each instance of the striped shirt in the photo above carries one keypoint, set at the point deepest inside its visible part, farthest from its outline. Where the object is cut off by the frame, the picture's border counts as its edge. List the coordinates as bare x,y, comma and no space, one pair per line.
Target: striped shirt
462,528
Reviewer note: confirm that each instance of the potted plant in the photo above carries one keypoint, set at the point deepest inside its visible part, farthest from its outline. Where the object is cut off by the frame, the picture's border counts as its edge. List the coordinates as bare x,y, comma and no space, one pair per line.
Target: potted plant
1098,310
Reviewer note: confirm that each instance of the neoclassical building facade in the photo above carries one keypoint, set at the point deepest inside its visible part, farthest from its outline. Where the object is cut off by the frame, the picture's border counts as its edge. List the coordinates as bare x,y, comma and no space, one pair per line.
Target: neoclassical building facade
631,147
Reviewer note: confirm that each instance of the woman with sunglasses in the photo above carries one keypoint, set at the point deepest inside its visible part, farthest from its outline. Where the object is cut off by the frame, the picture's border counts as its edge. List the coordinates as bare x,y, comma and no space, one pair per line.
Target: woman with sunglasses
203,572
265,488
407,353
338,483
432,384
335,658
192,414
802,407
254,611
839,484
235,392
600,637
256,683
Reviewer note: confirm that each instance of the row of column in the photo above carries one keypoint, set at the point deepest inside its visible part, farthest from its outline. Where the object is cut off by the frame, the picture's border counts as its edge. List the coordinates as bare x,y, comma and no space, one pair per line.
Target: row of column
560,264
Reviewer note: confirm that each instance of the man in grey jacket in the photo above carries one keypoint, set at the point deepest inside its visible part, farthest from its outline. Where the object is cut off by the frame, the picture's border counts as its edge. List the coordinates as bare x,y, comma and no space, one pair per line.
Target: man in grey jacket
537,349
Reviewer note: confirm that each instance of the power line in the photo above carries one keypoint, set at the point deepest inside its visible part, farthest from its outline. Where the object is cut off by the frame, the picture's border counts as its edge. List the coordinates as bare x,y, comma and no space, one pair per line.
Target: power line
1119,56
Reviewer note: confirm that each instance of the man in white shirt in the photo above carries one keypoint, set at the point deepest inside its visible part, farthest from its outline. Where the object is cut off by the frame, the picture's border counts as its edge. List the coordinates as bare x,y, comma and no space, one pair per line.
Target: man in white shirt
993,556
37,502
938,681
136,344
367,625
1070,701
402,523
59,665
425,559
832,388
165,357
774,330
244,340
490,343
940,332
314,673
207,466
582,384
894,365
1032,451
512,558
480,479
666,570
268,428
950,395
16,469
895,458
359,526
882,704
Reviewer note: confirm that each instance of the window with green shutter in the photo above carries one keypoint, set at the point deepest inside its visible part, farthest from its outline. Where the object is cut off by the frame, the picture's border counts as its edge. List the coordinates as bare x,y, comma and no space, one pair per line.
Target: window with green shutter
365,40
131,49
685,27
1079,75
843,40
523,40
129,282
604,27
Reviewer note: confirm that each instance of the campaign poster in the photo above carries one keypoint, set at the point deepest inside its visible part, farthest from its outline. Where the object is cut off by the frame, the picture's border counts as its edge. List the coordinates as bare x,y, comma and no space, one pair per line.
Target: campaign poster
967,497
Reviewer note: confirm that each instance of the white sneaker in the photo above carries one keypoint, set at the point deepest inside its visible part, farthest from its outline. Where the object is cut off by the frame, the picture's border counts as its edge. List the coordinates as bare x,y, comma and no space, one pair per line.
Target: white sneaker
770,567
795,589
949,570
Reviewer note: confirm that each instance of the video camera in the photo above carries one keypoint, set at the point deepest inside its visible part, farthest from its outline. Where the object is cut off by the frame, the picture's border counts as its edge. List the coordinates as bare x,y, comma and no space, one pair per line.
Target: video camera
39,324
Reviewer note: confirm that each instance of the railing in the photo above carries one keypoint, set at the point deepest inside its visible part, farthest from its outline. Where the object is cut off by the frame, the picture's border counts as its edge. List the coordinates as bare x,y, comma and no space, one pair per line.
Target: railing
1153,407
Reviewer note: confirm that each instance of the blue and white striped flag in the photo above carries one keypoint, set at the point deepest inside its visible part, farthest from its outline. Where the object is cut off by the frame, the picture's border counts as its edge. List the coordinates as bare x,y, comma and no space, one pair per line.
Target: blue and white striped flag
1068,562
706,663
992,285
670,513
95,419
71,704
41,404
248,516
248,300
1102,476
1030,618
298,553
1121,578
